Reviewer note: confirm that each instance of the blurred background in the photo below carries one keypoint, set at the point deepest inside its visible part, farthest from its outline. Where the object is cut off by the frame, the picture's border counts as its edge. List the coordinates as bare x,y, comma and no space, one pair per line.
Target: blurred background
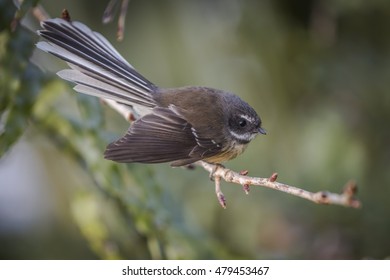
316,71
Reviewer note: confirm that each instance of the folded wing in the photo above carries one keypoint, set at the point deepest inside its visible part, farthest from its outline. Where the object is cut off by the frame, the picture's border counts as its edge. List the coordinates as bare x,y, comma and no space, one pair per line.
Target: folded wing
162,136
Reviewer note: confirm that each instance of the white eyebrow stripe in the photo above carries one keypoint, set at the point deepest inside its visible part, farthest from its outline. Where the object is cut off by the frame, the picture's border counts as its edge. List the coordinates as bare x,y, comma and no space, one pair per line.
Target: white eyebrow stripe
248,118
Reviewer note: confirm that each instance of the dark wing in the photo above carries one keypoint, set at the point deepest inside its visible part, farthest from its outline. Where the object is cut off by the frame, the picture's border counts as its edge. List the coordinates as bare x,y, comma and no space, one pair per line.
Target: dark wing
162,136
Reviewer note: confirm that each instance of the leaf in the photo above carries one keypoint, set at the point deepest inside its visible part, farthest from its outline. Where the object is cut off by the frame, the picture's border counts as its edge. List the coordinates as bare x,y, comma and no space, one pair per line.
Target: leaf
20,81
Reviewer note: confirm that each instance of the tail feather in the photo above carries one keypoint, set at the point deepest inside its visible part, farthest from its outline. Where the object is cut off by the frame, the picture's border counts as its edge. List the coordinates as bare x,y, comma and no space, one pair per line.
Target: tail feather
95,87
97,68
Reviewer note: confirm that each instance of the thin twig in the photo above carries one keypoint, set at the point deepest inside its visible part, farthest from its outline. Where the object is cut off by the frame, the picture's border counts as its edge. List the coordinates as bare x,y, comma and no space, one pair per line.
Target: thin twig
122,19
218,192
109,14
123,110
346,198
39,13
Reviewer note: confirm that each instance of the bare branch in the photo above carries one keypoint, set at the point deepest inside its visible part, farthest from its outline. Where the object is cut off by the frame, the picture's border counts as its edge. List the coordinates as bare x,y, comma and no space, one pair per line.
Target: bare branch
109,15
346,198
39,13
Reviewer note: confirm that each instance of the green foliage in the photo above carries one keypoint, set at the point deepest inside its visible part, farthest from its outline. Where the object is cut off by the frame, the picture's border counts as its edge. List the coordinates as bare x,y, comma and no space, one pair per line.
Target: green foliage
20,80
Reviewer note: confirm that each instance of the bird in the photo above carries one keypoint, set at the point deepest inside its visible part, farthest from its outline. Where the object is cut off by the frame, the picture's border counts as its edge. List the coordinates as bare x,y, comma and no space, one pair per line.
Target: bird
179,126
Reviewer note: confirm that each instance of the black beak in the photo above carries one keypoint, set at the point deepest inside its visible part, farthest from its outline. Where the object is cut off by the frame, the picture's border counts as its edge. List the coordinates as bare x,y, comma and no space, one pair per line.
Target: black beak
262,131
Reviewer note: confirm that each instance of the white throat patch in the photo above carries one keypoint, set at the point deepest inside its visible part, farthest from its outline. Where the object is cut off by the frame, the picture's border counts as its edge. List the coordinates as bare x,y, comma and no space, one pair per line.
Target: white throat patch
248,136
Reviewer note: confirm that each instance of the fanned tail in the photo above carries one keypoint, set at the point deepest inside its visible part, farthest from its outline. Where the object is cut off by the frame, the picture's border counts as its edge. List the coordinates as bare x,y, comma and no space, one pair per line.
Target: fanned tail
96,67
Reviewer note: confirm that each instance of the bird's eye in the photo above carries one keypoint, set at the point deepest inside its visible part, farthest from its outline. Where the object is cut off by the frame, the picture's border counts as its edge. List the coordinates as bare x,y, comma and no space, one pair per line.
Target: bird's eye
242,123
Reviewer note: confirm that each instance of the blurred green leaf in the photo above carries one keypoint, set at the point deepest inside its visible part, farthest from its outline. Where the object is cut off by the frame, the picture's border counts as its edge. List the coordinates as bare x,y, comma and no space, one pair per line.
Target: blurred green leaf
20,80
